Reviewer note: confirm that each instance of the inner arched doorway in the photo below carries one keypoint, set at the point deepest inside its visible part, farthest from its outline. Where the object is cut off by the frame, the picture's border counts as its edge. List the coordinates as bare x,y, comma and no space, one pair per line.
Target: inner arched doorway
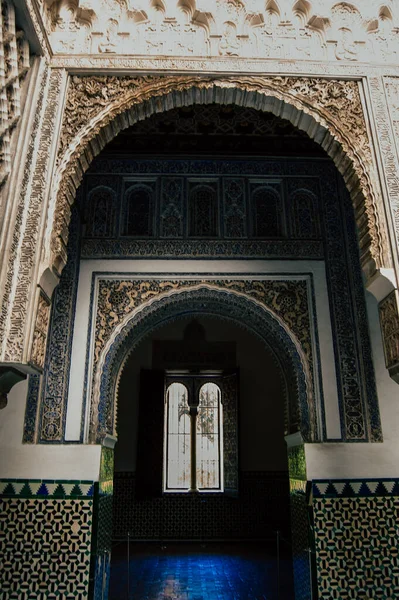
224,211
240,526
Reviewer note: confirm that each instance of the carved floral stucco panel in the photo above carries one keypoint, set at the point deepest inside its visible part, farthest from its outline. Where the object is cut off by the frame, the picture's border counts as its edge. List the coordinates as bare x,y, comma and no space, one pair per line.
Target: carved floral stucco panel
331,112
122,305
40,332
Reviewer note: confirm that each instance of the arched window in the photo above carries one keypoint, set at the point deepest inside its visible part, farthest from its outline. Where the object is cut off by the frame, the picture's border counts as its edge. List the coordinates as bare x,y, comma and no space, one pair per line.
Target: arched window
139,211
267,213
209,439
178,438
193,462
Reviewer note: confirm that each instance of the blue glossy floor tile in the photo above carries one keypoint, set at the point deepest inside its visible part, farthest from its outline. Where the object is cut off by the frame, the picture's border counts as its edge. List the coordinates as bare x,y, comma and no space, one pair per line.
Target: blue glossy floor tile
194,572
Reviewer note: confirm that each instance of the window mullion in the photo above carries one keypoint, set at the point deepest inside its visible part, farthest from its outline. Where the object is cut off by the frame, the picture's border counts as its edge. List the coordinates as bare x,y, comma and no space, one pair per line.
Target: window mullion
193,404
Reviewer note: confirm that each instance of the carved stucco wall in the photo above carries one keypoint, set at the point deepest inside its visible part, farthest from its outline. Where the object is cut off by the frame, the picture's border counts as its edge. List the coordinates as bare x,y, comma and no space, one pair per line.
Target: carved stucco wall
331,112
98,107
360,415
127,310
23,261
338,31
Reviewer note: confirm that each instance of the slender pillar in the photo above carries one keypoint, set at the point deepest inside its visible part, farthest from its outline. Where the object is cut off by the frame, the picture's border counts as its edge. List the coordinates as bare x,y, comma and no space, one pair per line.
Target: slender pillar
193,431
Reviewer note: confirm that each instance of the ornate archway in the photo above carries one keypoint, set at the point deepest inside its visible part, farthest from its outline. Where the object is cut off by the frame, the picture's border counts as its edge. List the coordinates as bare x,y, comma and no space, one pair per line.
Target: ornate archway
331,112
157,309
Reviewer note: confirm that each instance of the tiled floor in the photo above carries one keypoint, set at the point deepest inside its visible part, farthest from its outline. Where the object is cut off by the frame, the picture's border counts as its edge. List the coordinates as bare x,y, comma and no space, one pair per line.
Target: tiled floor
195,572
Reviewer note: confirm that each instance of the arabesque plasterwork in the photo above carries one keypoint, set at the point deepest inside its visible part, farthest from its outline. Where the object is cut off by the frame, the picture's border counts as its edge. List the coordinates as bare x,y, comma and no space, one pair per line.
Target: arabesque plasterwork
350,39
392,143
98,107
40,332
34,185
14,66
123,306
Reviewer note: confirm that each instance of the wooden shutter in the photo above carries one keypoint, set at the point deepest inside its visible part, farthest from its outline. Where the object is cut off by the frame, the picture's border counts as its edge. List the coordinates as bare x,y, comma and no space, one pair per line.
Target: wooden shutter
230,433
149,467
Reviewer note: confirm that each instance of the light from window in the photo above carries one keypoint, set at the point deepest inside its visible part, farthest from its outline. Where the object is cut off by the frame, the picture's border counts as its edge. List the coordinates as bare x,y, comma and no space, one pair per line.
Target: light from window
178,438
208,437
205,447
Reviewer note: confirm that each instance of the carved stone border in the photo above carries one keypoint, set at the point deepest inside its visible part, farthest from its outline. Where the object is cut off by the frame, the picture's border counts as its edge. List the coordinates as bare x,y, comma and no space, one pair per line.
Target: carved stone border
154,307
388,140
23,255
223,65
331,112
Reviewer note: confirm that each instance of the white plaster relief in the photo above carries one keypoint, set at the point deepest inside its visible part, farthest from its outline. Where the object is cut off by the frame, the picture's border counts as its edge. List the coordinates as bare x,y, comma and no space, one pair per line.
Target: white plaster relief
337,31
387,109
18,292
14,65
39,16
392,91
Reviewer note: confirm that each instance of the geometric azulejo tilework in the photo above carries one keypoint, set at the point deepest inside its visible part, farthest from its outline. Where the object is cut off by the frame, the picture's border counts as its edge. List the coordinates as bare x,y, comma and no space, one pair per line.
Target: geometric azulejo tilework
357,547
45,548
101,548
300,544
261,508
46,488
355,488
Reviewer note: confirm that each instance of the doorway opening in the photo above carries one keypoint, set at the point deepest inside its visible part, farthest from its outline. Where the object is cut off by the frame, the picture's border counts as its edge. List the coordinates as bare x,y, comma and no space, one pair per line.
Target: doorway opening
230,541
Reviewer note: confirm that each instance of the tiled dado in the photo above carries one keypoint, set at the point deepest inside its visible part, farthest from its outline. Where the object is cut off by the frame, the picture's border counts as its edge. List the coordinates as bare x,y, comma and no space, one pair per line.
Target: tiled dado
46,488
46,538
45,547
356,526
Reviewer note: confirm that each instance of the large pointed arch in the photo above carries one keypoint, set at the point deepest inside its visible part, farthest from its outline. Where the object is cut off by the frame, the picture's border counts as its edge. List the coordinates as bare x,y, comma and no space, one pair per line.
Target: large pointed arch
301,410
331,112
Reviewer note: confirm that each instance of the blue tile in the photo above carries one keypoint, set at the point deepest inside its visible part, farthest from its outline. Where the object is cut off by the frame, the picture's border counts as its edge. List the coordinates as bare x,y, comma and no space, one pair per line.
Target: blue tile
192,572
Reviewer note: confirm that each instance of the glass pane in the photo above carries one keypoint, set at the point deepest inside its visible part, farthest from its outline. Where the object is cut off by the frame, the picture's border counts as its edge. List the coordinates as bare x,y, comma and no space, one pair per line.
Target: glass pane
208,438
178,438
